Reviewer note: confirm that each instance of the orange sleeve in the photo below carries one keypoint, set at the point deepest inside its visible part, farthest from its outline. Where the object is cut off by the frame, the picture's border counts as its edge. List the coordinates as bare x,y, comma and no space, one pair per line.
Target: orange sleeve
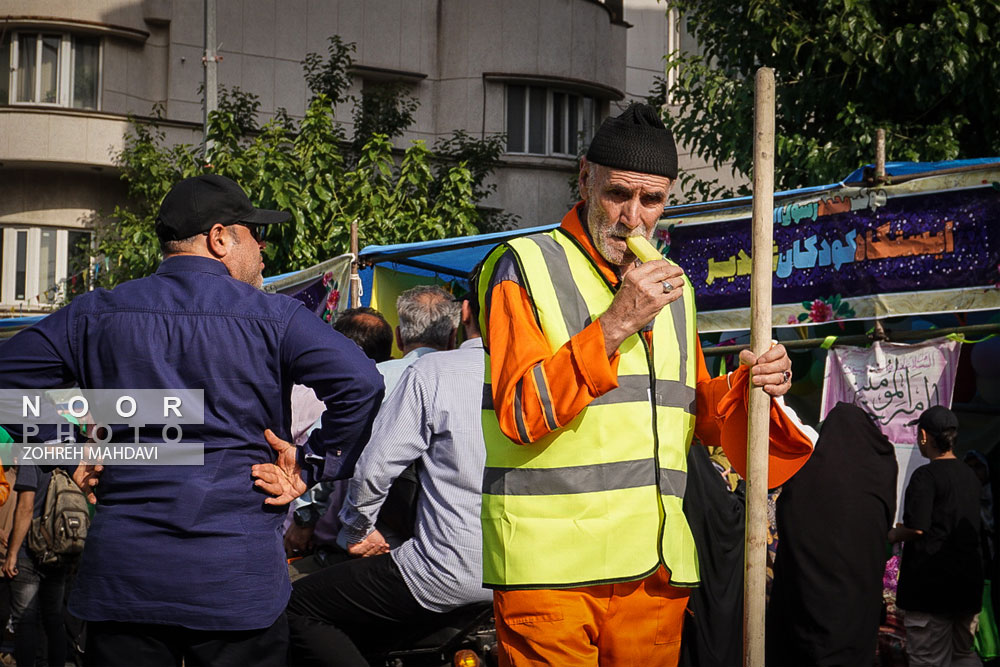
722,420
536,391
709,393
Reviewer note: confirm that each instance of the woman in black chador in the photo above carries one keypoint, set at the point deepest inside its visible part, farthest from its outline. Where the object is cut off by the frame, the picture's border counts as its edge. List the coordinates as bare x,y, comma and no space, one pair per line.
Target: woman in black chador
833,518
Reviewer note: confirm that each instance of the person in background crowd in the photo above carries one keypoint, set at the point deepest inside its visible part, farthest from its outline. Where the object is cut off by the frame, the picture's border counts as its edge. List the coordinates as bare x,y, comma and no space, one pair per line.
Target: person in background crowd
597,386
428,319
373,334
941,572
366,327
433,418
6,526
833,518
716,513
185,563
981,467
37,591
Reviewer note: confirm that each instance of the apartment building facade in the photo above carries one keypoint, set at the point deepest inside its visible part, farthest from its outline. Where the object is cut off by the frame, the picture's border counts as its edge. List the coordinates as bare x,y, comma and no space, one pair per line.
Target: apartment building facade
545,72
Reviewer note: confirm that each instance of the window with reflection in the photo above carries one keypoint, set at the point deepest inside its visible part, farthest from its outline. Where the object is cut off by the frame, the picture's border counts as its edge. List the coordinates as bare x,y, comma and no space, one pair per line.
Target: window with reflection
41,266
50,68
548,121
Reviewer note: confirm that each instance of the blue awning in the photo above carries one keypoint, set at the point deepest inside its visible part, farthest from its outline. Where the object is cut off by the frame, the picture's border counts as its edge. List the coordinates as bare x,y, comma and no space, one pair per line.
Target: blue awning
910,169
456,257
19,322
451,259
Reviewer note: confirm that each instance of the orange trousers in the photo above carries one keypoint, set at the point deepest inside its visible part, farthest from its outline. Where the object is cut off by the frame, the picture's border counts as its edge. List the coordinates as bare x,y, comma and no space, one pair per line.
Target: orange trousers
633,623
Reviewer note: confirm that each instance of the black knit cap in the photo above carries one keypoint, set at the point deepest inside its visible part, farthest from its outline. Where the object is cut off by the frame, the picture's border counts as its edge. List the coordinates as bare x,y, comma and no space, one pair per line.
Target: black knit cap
635,141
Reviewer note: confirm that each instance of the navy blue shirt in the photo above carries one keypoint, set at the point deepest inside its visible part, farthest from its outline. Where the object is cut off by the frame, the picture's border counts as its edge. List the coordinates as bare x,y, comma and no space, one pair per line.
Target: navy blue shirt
196,545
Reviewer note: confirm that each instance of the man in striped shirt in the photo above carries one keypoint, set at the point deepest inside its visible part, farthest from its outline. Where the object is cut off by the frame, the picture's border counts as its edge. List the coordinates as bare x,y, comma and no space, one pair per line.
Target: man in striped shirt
432,417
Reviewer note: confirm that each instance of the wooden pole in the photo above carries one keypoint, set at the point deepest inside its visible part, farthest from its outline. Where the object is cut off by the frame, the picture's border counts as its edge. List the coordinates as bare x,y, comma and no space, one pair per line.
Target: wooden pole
760,341
355,299
880,156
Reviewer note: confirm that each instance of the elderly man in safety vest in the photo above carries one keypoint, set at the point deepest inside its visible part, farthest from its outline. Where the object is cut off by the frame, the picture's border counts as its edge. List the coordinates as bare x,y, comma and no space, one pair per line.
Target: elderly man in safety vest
598,385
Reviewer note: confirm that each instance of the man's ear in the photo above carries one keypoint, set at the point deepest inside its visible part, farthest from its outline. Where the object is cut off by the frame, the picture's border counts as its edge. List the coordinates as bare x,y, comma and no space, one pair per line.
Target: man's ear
466,313
218,241
583,180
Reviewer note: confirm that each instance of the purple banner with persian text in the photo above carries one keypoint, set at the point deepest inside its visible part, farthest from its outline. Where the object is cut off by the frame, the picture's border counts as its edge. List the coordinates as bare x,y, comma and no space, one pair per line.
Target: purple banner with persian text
848,244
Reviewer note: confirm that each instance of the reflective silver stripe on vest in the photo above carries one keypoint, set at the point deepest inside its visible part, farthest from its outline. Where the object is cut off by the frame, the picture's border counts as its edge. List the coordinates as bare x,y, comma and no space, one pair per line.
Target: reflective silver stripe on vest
673,482
522,432
635,389
581,479
543,395
574,309
631,389
679,316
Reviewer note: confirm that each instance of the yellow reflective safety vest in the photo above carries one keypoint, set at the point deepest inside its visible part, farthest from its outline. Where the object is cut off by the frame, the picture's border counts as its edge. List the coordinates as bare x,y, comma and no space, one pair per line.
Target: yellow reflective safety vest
598,500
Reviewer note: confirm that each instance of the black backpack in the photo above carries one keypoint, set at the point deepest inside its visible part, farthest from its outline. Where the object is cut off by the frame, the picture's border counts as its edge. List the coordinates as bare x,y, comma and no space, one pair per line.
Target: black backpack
58,536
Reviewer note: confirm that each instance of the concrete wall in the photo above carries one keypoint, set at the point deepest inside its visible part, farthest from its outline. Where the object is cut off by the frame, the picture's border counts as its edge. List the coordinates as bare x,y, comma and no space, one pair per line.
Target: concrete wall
58,196
57,166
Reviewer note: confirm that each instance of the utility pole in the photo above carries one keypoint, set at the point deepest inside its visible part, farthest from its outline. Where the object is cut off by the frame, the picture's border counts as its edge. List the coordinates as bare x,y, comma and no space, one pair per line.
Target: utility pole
880,178
355,293
211,62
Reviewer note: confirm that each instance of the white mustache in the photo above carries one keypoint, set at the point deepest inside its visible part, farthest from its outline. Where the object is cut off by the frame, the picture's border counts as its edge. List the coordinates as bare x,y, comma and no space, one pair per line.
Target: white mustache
624,233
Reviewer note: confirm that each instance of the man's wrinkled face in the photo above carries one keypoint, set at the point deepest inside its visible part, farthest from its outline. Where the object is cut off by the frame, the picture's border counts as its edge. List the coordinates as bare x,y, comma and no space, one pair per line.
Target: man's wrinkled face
620,204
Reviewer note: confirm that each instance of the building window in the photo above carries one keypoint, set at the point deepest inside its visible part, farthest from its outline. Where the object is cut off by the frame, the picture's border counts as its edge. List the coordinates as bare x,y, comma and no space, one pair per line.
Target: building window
546,121
39,264
50,68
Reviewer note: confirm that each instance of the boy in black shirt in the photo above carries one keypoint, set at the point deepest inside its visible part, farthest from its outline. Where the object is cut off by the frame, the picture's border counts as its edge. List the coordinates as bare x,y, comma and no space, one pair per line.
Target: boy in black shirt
940,575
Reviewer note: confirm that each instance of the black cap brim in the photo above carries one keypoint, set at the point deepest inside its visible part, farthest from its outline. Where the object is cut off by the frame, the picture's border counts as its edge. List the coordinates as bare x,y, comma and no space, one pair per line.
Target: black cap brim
264,216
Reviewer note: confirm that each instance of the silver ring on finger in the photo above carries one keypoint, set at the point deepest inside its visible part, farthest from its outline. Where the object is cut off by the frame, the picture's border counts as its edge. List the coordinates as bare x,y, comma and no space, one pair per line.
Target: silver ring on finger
786,377
667,287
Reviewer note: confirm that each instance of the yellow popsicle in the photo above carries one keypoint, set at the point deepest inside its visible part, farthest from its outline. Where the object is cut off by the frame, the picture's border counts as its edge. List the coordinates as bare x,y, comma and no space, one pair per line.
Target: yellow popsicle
642,248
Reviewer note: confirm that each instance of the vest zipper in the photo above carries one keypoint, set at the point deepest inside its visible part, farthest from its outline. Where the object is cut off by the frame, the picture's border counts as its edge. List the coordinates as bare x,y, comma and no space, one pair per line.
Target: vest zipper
652,400
656,448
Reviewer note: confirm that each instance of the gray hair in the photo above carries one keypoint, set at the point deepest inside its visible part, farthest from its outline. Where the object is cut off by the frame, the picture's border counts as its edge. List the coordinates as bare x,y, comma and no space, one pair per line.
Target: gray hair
174,246
428,315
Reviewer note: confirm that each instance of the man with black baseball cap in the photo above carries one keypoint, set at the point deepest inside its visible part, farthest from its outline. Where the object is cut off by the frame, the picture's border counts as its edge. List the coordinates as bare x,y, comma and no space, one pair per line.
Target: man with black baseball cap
187,563
196,212
941,573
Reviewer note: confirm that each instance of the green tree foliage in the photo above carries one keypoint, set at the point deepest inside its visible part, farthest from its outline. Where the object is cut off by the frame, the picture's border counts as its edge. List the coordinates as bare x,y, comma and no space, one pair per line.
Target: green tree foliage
924,71
384,108
330,77
481,156
310,169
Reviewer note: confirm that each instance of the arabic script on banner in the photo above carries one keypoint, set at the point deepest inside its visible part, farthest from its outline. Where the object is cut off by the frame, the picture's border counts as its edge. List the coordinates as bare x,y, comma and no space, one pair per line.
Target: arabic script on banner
832,253
893,382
